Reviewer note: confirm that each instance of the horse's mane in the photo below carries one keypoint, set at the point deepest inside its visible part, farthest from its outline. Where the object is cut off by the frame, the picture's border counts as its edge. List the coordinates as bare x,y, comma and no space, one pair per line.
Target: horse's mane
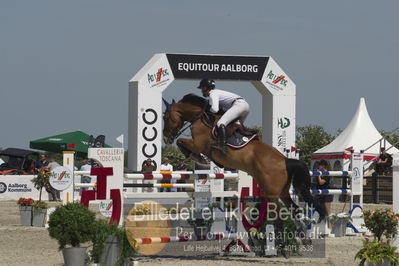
194,99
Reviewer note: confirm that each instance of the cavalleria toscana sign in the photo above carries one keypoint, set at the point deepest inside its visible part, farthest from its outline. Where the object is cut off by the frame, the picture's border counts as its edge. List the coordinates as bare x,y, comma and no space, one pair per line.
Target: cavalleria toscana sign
61,178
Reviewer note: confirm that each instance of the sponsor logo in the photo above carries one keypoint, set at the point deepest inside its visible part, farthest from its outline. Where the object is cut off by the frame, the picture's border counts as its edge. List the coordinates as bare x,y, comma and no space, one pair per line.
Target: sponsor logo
278,82
60,178
16,187
245,139
105,207
3,187
158,78
282,140
149,133
283,122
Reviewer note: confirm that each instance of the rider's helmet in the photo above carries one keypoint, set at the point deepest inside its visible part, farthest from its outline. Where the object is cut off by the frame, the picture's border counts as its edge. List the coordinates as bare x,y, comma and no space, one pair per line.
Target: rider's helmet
209,83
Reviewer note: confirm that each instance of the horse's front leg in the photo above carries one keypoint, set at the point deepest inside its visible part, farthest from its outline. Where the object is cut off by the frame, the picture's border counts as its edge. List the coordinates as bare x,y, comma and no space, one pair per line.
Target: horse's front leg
191,150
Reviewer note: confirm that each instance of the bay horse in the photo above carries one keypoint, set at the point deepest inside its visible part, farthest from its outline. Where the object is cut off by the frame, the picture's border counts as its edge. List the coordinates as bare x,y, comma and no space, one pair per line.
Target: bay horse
273,172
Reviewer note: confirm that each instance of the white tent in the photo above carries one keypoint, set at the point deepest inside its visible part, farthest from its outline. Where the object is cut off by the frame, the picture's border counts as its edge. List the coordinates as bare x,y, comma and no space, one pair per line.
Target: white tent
360,135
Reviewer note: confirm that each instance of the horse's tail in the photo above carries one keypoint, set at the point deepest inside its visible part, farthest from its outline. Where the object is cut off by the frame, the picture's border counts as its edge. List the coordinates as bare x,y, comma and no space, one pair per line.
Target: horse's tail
301,180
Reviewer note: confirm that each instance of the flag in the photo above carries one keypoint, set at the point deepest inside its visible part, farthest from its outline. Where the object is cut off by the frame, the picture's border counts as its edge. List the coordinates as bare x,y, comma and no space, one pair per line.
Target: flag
72,145
349,148
293,149
120,138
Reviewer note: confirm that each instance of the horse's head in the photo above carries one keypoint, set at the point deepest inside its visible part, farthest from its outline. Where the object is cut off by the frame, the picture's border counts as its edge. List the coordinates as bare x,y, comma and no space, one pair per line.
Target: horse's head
173,122
190,108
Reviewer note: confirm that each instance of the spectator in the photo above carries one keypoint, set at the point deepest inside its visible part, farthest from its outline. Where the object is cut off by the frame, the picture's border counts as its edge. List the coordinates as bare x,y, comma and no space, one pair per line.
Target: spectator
384,161
166,167
42,163
323,182
29,168
147,167
85,178
181,167
54,194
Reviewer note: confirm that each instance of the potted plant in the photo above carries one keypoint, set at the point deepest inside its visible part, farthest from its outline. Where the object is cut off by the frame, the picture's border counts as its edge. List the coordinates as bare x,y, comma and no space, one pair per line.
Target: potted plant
383,224
377,253
72,225
42,180
25,211
110,244
39,213
339,222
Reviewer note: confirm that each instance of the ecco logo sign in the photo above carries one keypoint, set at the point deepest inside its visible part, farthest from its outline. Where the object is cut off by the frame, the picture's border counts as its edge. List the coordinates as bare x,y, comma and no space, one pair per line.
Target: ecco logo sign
149,132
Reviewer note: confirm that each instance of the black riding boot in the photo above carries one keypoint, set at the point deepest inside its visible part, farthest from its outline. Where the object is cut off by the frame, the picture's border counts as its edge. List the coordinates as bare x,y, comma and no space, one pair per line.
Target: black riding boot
222,138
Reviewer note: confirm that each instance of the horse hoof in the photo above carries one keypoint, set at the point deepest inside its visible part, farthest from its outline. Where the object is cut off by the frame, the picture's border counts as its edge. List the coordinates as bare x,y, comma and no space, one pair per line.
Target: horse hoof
306,241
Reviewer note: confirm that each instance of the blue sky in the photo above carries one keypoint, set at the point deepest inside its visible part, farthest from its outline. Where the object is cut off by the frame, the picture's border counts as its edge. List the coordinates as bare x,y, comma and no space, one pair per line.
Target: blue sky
65,65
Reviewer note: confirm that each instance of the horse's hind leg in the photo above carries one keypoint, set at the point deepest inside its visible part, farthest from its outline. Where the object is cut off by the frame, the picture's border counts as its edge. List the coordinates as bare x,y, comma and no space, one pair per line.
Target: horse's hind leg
273,204
297,215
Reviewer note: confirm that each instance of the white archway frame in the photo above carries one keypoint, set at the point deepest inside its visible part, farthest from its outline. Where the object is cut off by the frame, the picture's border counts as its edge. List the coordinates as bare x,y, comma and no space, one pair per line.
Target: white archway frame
146,87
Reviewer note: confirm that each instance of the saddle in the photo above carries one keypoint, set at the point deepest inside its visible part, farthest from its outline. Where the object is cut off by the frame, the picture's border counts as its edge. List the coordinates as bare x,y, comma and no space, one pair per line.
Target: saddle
237,136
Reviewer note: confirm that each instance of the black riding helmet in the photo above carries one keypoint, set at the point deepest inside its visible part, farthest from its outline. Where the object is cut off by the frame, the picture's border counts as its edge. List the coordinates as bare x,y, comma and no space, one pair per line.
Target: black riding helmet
209,83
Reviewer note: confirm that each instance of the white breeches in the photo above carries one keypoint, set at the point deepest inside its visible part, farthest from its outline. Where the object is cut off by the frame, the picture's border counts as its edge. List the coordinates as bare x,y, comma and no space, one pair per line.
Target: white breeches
239,109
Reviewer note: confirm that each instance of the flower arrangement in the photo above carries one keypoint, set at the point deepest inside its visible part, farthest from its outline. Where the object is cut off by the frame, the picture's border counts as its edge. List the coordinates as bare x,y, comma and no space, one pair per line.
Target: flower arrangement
340,218
40,205
383,224
25,201
377,252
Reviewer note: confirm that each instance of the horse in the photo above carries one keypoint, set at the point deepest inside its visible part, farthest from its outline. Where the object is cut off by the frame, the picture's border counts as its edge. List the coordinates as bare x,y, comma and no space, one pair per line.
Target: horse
273,172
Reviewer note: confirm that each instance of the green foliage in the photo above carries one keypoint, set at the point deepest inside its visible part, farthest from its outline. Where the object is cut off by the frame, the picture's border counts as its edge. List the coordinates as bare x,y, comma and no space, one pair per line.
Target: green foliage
392,138
381,223
41,180
40,205
102,231
71,224
377,252
174,155
309,139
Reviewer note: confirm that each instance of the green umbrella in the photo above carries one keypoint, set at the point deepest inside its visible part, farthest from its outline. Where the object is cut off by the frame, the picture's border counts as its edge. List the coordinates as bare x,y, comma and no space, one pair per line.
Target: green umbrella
72,141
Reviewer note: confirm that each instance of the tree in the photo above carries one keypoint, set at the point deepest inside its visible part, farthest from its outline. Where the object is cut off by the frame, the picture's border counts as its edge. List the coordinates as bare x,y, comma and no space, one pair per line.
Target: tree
309,139
392,137
174,155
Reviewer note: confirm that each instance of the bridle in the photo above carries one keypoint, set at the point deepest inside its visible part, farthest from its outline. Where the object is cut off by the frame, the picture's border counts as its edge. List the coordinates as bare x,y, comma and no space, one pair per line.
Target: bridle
188,124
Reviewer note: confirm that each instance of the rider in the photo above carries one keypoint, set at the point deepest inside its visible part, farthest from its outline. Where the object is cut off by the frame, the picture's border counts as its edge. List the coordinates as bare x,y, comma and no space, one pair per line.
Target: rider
232,104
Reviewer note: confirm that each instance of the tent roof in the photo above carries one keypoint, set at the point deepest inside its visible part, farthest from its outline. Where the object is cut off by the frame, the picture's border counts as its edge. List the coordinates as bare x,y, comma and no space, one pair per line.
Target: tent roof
359,134
71,141
17,152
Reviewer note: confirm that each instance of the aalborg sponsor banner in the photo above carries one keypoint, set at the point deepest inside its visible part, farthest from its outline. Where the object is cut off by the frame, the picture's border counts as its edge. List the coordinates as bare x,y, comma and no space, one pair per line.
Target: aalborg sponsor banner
217,67
13,187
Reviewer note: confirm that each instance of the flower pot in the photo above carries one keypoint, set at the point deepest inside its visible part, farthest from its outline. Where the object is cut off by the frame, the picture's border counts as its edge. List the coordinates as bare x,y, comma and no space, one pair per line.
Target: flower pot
75,256
111,251
339,227
39,217
26,215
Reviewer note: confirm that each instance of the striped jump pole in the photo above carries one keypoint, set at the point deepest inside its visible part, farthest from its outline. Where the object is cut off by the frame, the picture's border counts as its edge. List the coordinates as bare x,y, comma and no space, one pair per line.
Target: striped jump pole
180,176
157,240
88,185
331,173
160,185
327,192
